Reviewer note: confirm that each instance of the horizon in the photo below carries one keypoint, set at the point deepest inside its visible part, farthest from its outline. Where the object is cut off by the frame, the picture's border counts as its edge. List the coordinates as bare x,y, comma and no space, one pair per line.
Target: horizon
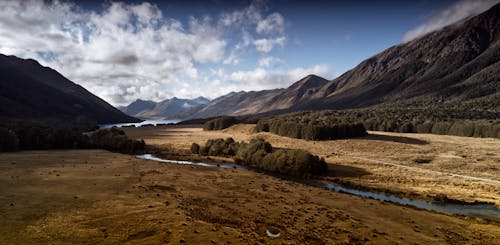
128,50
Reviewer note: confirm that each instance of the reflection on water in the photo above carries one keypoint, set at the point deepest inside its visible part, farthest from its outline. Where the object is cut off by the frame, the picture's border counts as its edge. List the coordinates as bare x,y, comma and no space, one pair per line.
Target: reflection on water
153,122
486,211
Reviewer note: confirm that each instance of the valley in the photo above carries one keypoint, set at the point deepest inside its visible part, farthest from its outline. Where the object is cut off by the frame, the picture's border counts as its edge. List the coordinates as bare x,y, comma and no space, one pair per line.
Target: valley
213,123
94,196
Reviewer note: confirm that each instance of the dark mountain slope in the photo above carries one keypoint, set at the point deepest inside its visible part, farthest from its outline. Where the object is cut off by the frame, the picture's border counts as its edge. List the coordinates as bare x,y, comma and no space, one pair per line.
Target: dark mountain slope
29,91
432,69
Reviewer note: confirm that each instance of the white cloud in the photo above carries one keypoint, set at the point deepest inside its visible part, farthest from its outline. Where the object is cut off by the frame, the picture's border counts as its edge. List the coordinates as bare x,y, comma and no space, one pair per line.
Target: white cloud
265,45
127,51
270,61
273,23
454,13
124,48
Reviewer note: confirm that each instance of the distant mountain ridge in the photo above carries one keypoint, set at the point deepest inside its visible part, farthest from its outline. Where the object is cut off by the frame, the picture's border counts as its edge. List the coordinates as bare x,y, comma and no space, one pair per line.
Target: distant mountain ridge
166,109
32,92
234,103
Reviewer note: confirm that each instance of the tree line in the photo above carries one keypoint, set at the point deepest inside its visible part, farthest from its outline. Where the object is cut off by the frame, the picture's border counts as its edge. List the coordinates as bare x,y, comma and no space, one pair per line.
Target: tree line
24,136
334,124
260,154
310,126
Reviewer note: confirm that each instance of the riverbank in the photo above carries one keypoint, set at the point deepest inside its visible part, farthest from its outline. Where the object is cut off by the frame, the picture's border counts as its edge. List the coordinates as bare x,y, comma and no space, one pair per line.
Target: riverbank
94,196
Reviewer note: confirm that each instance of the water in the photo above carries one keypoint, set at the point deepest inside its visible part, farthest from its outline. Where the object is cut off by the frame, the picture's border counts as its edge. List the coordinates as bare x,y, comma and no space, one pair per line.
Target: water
221,165
153,122
486,211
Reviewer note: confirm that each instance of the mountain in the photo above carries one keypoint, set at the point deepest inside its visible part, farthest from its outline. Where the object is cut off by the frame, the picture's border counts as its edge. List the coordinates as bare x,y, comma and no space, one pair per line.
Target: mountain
137,107
457,65
167,109
32,92
243,103
234,103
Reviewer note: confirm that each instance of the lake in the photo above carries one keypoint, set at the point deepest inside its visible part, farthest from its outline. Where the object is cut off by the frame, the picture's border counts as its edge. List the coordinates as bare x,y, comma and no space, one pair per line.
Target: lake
153,122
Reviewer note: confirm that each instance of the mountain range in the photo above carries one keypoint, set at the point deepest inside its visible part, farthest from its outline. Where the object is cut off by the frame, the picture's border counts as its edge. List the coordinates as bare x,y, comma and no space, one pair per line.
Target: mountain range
457,66
166,109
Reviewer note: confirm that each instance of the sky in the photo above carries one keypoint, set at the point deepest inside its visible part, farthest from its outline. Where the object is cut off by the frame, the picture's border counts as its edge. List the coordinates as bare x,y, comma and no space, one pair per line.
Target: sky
154,50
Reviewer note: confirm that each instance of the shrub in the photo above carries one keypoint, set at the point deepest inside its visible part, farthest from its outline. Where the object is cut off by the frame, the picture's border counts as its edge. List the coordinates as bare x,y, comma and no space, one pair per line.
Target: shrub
220,147
195,148
8,140
260,154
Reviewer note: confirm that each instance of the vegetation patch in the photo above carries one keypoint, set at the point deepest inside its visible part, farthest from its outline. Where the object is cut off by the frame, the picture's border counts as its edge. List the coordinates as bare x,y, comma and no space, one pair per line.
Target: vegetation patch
423,160
115,140
311,126
220,123
260,154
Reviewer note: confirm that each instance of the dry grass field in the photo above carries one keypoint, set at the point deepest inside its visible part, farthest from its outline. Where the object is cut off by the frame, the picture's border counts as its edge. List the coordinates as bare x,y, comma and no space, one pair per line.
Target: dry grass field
94,196
366,161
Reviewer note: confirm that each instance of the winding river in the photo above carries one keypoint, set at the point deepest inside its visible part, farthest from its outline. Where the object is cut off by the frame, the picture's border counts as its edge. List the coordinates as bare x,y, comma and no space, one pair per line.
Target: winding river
485,211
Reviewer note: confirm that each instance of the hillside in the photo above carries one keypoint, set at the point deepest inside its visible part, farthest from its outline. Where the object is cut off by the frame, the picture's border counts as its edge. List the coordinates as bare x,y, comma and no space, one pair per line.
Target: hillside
459,64
32,92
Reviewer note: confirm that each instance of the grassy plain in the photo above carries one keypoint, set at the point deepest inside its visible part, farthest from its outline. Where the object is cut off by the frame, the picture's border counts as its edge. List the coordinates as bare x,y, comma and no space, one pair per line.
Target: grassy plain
370,162
94,196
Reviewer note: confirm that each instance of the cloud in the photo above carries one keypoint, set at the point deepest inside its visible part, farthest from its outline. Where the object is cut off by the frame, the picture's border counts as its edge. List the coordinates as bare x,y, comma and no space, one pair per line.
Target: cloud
253,19
265,45
123,48
452,14
270,61
126,51
261,78
273,23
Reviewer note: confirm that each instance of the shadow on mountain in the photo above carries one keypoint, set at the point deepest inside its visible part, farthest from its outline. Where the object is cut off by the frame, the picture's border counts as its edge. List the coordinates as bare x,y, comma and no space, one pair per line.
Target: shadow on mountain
397,139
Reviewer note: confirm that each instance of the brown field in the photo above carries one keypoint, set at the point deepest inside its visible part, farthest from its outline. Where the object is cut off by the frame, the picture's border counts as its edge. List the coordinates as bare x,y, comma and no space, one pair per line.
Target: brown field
358,161
94,196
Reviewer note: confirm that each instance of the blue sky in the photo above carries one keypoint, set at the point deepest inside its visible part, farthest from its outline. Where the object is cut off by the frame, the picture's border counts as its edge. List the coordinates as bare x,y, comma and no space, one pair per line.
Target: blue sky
154,50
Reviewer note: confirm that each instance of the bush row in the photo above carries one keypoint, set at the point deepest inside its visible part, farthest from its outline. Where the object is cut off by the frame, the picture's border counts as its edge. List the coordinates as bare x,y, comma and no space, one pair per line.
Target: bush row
260,154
